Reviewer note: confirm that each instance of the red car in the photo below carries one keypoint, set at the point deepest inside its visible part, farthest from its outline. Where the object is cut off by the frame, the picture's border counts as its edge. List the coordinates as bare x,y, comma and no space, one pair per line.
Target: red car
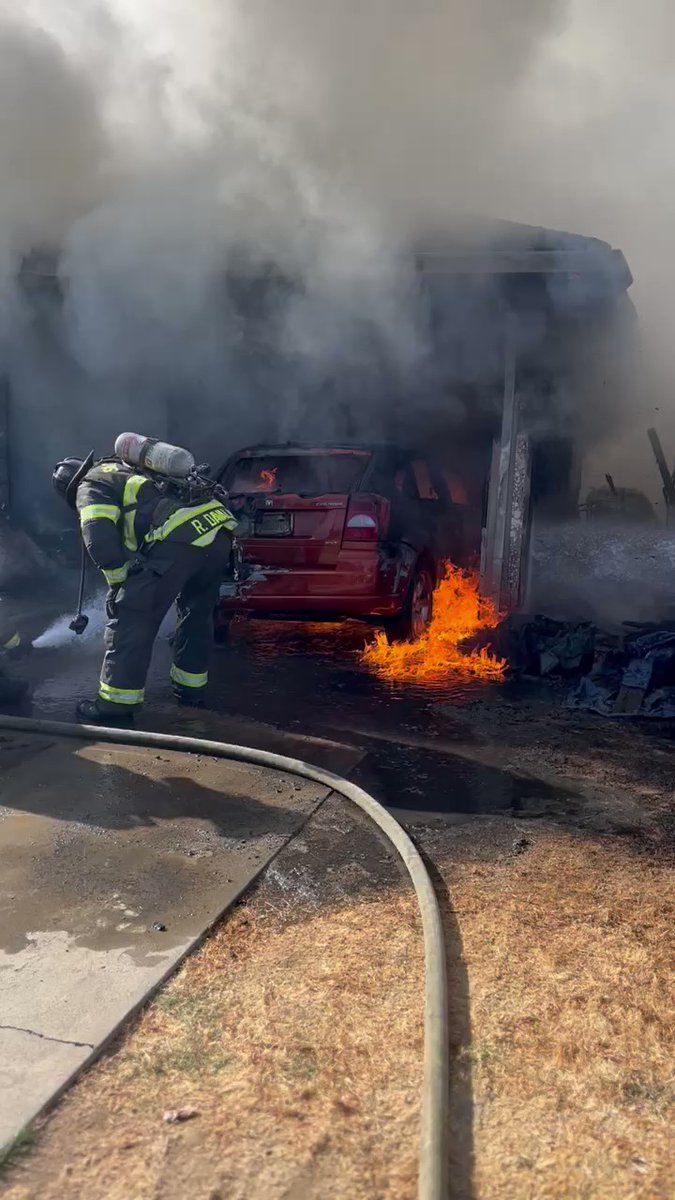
336,531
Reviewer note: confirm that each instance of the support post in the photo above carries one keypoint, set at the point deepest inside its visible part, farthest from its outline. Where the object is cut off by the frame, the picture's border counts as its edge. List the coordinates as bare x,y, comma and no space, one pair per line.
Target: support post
505,545
666,477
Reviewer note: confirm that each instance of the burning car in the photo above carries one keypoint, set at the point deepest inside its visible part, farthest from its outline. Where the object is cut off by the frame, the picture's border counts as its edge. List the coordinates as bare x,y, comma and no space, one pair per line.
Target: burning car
335,531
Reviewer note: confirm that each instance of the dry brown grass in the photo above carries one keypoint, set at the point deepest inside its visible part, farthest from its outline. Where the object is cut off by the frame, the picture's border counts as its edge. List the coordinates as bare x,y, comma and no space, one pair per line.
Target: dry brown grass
569,955
299,1043
298,1039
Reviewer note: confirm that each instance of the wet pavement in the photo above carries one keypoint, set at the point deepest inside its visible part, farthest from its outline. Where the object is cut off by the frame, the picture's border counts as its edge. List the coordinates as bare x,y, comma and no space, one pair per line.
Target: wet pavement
299,678
424,759
449,751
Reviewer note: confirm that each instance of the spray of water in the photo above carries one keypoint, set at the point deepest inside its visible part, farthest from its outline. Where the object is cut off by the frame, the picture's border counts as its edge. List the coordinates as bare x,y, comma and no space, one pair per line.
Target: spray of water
58,633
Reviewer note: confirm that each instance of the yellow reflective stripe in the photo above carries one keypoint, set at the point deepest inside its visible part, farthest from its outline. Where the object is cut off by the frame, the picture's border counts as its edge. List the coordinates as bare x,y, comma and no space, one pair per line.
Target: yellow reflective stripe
121,695
181,516
13,643
94,512
132,487
206,538
188,678
116,575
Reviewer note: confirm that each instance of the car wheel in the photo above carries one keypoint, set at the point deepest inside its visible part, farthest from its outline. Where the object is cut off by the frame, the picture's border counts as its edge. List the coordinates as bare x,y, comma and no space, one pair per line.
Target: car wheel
415,617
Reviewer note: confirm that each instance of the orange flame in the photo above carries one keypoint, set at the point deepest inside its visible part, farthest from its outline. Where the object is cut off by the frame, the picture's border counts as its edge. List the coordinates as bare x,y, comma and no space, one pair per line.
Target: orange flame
459,611
268,480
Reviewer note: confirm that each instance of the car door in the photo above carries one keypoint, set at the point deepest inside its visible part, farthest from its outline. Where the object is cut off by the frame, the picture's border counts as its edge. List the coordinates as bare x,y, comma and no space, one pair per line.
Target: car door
441,517
450,513
415,505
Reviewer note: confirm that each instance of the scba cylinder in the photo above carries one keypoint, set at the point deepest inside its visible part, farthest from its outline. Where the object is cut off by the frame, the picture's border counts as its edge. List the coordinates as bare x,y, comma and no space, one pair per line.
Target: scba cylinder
151,455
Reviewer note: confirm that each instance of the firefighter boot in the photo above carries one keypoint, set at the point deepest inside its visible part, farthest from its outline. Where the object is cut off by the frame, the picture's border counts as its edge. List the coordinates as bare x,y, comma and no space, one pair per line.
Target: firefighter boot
89,713
186,698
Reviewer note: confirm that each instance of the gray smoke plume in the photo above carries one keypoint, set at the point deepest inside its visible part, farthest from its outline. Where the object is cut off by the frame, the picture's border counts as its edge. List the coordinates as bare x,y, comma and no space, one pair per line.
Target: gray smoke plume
211,180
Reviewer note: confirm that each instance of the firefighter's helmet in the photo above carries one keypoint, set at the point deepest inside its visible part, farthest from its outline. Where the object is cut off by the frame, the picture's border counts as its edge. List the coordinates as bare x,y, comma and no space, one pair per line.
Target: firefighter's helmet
68,474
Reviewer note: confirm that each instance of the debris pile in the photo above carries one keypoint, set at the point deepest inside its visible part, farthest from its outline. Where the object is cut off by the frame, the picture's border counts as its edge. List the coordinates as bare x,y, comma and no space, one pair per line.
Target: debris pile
629,673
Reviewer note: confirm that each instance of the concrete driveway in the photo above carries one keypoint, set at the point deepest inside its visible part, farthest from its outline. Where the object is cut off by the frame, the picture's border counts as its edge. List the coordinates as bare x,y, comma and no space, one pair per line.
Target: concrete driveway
113,863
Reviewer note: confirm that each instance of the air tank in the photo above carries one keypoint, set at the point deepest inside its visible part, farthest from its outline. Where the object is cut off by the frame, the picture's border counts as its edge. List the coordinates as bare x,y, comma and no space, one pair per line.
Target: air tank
151,455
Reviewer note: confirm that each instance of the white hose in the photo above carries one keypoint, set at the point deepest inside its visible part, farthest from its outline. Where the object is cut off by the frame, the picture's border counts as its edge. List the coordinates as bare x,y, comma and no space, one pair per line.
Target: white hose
434,1116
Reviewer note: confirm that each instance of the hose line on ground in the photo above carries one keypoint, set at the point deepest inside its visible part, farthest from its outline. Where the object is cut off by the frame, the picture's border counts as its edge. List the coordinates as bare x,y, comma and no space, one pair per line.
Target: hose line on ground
434,1112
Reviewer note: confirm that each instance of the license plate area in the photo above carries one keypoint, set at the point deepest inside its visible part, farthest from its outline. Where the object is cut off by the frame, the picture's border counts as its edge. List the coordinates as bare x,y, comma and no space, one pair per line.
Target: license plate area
273,524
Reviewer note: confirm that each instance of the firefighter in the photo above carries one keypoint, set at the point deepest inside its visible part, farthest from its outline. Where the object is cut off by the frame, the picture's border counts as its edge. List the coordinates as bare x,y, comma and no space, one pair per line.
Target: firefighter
152,550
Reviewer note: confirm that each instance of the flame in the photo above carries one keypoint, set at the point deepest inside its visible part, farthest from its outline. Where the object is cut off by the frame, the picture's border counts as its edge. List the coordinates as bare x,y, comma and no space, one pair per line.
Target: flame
458,612
267,481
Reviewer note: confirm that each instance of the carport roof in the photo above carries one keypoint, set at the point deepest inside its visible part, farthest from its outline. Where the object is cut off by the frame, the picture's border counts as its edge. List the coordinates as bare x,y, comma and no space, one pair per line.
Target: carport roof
507,248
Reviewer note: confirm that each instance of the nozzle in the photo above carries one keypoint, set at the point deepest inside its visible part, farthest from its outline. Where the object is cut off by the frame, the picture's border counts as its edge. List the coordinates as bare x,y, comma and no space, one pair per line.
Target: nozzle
79,623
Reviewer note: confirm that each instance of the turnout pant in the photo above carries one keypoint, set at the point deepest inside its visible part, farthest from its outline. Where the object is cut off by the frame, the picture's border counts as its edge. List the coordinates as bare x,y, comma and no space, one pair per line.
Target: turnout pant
170,570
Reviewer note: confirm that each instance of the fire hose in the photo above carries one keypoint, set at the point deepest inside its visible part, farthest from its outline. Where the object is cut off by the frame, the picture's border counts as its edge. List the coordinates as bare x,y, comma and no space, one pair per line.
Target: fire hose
432,1174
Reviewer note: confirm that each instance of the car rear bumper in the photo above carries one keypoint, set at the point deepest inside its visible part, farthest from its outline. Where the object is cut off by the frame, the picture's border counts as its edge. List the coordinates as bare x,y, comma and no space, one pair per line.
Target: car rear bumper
333,607
361,586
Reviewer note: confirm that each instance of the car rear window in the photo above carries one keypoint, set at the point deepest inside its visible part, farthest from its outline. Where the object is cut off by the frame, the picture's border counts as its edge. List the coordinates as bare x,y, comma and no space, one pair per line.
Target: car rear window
298,474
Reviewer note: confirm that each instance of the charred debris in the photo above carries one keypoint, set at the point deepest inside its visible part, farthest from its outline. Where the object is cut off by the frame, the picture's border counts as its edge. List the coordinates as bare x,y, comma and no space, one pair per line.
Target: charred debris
628,672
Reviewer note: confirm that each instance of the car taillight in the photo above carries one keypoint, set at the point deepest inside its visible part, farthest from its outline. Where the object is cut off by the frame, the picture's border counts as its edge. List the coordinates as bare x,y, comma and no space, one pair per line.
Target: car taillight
366,520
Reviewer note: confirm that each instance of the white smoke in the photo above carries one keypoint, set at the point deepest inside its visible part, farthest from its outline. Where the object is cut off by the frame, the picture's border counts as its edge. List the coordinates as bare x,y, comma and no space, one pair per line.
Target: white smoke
152,143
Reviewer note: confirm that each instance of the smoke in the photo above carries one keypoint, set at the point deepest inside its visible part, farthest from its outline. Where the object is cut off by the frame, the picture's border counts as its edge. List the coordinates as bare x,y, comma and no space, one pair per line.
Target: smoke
305,145
415,106
603,573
